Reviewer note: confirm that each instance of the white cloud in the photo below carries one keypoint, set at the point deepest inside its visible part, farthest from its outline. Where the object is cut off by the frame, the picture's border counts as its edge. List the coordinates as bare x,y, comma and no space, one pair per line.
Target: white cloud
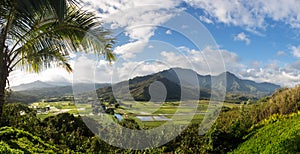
206,61
251,14
169,32
150,46
273,72
205,19
129,70
229,12
129,50
138,18
242,37
83,70
281,53
295,51
86,68
53,74
184,26
18,77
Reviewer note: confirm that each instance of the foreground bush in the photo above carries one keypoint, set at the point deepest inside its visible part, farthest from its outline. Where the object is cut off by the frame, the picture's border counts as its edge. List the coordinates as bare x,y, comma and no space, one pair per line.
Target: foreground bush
19,141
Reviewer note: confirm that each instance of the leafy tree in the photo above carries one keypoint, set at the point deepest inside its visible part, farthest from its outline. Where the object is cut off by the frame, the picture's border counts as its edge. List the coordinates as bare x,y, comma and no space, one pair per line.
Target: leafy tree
130,123
110,111
38,34
21,117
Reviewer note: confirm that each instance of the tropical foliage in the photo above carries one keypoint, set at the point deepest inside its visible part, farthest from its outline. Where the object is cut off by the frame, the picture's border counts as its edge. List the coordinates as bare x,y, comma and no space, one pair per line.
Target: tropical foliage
19,141
37,34
277,134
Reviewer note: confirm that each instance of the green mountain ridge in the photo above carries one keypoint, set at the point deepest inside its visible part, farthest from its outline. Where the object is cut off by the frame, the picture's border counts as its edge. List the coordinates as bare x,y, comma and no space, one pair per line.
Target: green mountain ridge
139,86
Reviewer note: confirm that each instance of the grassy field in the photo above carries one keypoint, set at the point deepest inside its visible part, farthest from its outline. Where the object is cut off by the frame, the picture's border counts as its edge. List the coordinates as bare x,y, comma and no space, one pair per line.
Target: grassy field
61,107
174,112
171,110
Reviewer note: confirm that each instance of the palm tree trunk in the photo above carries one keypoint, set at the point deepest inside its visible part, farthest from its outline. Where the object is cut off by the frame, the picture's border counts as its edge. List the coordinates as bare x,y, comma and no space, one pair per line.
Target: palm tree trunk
3,70
3,75
3,78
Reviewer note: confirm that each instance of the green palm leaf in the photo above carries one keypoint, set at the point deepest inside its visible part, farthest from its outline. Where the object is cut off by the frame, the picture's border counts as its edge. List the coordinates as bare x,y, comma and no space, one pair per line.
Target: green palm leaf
38,34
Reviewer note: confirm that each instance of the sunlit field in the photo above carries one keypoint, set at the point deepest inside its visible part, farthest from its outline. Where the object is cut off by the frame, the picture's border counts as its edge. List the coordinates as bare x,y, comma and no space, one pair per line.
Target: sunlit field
149,114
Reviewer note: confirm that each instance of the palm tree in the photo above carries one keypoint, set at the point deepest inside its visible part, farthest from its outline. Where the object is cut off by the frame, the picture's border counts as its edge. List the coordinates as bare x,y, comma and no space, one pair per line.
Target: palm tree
37,34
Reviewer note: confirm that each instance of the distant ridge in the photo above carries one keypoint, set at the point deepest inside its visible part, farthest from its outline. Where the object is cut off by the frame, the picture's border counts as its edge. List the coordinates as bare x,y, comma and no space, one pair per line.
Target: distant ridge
40,85
33,85
139,86
35,91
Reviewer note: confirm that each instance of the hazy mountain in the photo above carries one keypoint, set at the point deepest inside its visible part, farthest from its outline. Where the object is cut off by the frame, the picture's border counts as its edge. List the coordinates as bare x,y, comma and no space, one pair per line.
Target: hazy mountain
37,85
176,78
33,85
236,85
35,91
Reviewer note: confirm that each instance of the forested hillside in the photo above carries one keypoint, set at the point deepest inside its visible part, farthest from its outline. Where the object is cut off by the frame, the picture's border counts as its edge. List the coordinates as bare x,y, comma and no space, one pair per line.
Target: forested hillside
276,134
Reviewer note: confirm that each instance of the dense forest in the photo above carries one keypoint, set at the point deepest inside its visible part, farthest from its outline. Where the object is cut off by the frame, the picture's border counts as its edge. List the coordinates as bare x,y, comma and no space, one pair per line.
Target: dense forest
268,126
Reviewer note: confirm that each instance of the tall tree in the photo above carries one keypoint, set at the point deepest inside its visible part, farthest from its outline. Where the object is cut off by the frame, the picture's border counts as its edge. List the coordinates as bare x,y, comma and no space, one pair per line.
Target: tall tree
38,34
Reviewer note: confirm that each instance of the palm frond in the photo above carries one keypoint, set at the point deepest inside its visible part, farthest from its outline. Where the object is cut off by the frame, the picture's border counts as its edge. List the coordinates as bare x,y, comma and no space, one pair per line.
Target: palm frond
47,31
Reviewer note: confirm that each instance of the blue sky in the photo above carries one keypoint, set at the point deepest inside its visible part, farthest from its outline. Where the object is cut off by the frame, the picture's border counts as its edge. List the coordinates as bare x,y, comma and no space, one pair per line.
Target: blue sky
257,40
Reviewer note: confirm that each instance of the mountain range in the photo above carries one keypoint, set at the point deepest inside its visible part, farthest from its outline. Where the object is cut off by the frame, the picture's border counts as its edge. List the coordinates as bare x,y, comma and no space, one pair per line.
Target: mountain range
37,90
159,86
39,85
176,78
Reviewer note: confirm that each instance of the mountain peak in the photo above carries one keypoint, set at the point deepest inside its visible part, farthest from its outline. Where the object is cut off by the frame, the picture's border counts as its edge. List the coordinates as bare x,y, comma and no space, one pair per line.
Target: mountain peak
228,75
33,85
179,69
38,81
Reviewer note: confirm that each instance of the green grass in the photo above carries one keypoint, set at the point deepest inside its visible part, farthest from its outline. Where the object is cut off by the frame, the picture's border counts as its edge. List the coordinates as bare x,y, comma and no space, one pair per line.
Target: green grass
43,116
153,124
168,109
67,106
197,118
